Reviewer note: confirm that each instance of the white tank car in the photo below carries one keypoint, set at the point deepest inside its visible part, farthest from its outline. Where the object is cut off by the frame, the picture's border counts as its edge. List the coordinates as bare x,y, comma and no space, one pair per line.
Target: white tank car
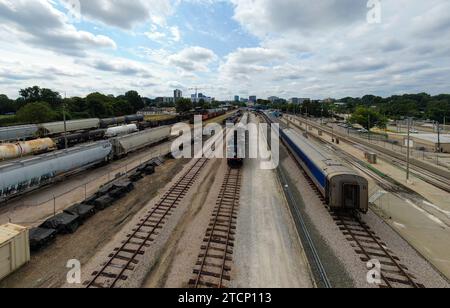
121,130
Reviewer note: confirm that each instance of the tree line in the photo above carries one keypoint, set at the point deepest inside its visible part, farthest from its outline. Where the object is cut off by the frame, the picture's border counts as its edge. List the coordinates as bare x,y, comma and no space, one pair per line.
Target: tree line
419,106
370,110
37,105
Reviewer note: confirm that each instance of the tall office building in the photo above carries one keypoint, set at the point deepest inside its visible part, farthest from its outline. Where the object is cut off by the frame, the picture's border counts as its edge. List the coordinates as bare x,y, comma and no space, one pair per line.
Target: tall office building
177,94
236,99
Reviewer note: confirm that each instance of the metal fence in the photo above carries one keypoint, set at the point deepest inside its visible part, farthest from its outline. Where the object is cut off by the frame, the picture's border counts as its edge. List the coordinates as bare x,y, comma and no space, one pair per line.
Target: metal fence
76,194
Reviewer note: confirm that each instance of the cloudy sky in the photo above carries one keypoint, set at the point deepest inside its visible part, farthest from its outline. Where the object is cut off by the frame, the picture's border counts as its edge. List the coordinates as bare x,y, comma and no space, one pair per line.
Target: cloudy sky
288,48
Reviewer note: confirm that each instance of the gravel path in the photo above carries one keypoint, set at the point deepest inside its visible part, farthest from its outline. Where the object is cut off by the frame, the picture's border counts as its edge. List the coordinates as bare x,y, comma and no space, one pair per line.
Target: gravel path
152,254
268,251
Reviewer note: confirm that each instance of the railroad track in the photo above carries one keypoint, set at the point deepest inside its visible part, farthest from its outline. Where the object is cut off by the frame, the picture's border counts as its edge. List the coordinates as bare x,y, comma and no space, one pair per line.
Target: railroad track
123,261
367,244
213,267
369,247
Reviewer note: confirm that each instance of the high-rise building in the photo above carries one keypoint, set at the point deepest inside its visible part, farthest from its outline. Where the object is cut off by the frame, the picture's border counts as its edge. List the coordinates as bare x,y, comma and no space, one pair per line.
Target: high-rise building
252,99
177,94
236,99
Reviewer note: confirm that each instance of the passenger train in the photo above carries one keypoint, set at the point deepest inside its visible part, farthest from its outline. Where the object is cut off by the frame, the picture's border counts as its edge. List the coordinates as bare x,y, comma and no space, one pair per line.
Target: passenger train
342,188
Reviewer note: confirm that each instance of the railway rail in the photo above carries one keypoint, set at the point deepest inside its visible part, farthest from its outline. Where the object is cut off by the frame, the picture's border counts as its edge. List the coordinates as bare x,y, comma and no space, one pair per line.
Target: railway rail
369,247
214,264
123,261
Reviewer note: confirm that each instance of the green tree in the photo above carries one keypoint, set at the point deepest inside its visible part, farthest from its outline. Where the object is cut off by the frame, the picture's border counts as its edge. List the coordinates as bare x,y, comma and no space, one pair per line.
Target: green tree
36,94
7,105
135,100
184,105
122,107
37,112
99,105
368,118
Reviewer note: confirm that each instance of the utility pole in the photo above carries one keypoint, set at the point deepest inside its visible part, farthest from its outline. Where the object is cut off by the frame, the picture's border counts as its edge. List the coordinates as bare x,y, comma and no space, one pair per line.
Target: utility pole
65,122
368,128
439,136
321,115
408,154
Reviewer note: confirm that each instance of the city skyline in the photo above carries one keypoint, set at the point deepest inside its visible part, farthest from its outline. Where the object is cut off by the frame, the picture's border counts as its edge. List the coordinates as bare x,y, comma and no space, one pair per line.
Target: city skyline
285,48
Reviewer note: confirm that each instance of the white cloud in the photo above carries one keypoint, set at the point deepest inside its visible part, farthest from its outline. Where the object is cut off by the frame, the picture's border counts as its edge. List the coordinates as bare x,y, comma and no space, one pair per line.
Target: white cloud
193,59
331,44
36,22
126,14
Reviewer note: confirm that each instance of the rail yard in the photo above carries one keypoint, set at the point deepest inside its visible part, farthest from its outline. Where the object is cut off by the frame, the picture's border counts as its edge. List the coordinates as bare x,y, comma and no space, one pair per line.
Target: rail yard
108,194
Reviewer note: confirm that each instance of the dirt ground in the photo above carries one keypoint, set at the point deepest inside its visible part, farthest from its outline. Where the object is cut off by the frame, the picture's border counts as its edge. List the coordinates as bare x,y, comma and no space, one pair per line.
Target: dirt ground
47,268
153,254
175,267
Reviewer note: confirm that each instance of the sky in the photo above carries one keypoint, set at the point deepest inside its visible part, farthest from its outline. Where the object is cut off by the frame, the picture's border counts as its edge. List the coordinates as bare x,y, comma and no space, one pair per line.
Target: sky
286,48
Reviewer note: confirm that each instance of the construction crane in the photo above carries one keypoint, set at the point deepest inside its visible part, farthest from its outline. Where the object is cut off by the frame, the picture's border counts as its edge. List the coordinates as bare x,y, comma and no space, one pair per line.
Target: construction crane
196,89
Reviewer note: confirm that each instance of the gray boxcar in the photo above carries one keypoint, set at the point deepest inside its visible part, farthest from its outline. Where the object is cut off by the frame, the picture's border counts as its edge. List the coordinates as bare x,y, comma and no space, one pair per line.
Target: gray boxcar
21,132
54,128
130,143
22,176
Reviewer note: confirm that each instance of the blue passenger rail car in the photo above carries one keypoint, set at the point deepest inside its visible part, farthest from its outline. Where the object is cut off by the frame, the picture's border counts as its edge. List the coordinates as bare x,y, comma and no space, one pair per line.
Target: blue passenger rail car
342,188
22,176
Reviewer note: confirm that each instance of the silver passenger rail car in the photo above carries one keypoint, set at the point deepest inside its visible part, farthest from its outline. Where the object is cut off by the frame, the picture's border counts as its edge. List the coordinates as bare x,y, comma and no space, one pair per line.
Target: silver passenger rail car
343,188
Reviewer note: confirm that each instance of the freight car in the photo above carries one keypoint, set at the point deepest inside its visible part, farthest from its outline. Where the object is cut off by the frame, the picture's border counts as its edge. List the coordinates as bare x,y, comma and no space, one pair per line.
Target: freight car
134,118
19,177
25,132
342,188
25,175
236,146
55,128
121,130
24,148
130,143
77,138
21,132
105,123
